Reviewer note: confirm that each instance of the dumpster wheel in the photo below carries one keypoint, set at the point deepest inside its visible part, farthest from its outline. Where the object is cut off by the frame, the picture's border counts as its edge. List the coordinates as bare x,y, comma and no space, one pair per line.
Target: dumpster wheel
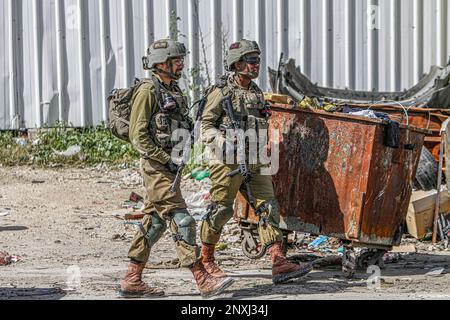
251,247
371,257
349,263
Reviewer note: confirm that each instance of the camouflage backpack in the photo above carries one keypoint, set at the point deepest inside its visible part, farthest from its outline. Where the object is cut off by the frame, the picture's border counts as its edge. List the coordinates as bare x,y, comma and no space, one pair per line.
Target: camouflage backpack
120,105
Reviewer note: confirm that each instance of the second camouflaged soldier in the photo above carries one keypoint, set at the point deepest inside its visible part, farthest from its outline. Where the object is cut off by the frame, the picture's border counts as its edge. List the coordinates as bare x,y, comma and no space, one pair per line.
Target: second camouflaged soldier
243,59
159,108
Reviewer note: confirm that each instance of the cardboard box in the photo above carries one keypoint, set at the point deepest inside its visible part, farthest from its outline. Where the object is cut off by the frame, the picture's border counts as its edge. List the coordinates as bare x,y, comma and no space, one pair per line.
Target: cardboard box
421,211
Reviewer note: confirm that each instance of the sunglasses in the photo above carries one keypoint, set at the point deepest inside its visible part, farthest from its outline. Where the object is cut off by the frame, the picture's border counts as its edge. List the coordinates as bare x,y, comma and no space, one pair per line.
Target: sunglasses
178,61
252,60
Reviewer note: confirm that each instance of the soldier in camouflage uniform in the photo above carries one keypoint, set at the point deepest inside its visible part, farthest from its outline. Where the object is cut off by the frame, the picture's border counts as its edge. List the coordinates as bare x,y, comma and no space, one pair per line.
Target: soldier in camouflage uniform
158,109
242,60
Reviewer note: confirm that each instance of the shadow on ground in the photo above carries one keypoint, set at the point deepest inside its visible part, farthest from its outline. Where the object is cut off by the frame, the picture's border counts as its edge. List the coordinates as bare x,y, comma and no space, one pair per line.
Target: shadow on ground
31,293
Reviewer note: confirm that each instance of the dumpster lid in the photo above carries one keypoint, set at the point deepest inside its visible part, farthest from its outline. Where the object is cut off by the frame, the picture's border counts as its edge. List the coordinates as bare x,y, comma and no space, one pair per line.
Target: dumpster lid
289,109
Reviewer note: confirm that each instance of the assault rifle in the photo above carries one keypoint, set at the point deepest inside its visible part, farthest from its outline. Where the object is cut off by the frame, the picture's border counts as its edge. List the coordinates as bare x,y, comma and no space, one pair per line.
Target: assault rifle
241,154
187,150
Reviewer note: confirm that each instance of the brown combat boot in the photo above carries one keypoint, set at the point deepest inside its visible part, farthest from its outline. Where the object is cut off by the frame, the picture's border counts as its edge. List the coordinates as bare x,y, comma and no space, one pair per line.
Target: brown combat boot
207,284
208,261
132,285
282,270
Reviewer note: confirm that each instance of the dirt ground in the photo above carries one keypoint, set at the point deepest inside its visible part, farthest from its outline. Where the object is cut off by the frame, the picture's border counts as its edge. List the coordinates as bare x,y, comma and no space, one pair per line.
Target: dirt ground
61,223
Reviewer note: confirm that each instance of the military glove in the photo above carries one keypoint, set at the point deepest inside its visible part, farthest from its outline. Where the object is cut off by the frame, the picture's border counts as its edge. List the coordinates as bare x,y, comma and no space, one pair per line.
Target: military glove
172,167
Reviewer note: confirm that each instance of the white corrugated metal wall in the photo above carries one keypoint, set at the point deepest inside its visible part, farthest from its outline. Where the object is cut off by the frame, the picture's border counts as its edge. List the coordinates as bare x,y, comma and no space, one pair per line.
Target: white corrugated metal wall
60,58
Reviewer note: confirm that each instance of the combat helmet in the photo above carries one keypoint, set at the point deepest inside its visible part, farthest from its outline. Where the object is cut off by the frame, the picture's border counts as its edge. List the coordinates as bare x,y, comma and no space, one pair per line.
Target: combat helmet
161,50
239,49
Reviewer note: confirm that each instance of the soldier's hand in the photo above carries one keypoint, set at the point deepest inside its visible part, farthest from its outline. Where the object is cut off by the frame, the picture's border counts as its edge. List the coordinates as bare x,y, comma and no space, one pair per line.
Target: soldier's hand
172,167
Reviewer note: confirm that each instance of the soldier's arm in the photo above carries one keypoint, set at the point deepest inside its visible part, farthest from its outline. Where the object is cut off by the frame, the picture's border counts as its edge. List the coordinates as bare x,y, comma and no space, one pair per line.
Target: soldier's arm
144,106
209,133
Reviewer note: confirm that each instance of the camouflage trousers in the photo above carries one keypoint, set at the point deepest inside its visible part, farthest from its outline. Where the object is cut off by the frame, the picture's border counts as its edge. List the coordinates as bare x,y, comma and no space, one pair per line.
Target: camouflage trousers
159,204
223,193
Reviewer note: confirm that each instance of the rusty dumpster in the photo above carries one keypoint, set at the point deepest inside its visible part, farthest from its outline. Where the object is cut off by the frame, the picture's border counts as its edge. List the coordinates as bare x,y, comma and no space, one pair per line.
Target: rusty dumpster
337,177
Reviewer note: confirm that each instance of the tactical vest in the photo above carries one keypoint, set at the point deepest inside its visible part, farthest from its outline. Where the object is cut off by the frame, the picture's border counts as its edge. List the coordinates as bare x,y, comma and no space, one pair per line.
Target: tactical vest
248,106
164,122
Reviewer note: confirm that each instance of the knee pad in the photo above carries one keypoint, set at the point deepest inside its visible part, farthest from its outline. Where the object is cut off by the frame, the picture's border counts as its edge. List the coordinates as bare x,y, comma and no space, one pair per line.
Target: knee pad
218,215
156,231
183,227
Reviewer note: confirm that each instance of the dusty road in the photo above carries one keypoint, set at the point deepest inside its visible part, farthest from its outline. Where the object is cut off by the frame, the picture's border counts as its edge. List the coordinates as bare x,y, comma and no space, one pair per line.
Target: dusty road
61,224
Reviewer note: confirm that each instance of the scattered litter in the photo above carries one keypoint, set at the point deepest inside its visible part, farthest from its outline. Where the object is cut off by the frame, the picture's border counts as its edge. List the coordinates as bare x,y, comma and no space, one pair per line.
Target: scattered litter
22,142
391,257
133,216
119,236
71,151
408,248
134,197
131,205
444,227
198,202
318,241
37,181
233,239
5,213
221,246
6,259
435,272
168,264
200,175
366,113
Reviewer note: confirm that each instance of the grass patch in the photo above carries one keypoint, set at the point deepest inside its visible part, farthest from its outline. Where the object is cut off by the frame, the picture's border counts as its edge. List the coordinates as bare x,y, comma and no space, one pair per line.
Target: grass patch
90,146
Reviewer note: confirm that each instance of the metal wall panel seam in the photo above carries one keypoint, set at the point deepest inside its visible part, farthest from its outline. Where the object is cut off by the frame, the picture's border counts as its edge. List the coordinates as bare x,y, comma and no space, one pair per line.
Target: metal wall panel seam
171,8
418,40
13,114
395,44
82,57
349,51
126,42
216,36
260,38
282,23
327,43
305,44
441,32
149,27
372,45
60,69
194,48
37,61
104,73
237,20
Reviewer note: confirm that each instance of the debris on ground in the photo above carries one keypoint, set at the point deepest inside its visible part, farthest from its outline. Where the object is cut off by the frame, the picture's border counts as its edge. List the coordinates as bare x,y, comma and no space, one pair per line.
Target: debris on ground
70,152
407,248
318,242
4,213
197,203
436,272
221,246
7,259
166,264
200,175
